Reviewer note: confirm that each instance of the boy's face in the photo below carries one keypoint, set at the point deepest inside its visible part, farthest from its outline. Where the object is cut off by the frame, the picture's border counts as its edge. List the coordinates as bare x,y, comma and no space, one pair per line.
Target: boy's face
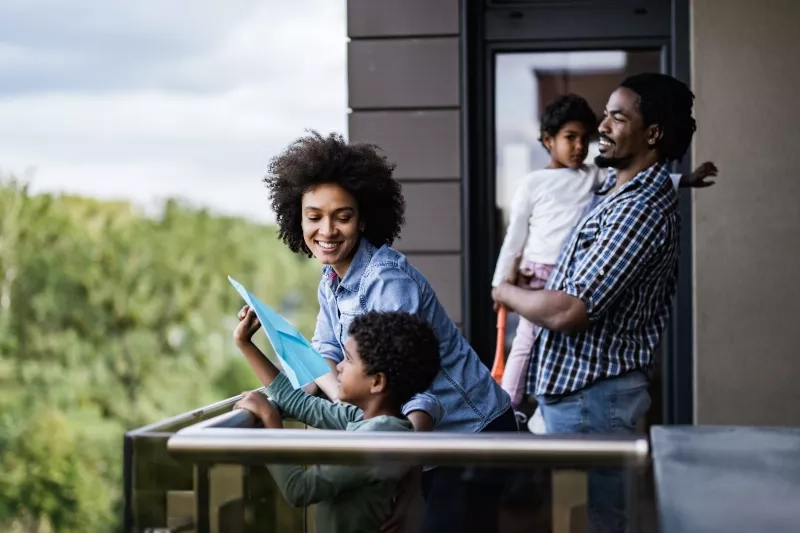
570,146
355,386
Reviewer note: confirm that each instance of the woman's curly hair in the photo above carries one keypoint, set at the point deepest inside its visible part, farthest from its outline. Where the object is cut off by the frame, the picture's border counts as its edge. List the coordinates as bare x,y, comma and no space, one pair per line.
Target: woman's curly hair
359,168
400,345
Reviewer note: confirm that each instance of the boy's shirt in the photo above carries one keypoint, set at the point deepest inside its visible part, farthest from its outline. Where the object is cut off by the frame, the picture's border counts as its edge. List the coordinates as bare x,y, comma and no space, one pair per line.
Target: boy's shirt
350,498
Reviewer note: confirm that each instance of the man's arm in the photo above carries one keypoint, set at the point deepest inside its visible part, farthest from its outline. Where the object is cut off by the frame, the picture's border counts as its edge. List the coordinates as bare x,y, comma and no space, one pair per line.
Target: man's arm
553,310
631,236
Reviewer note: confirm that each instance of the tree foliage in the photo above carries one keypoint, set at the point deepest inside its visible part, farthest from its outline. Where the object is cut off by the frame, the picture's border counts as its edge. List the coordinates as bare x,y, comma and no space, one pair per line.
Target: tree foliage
109,320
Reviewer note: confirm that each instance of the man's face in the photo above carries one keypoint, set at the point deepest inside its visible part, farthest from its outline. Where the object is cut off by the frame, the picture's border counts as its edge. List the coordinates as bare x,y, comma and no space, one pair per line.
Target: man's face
623,135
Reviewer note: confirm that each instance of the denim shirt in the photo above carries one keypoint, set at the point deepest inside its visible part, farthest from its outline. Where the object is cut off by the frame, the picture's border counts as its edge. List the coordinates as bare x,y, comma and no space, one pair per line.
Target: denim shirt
463,397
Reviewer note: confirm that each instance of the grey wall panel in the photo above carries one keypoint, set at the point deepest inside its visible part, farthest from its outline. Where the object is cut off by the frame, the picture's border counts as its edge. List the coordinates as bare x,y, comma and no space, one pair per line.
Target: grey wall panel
424,144
433,218
444,274
747,227
383,18
403,73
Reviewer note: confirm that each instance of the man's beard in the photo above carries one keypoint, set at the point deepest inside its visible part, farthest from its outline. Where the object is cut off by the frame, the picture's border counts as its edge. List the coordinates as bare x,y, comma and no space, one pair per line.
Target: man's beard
611,162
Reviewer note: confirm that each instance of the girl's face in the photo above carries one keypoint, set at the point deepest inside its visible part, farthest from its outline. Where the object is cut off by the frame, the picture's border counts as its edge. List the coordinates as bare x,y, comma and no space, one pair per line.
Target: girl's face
569,147
331,225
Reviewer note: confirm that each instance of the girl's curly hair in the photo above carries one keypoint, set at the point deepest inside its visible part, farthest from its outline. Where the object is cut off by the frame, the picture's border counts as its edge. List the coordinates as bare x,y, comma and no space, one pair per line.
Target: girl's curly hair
359,168
567,108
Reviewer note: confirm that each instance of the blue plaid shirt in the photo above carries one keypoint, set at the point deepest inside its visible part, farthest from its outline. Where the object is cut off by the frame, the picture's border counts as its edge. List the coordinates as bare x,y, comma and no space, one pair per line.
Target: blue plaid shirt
622,261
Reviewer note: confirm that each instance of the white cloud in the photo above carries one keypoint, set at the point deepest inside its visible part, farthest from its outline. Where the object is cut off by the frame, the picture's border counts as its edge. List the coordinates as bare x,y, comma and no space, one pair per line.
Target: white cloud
200,121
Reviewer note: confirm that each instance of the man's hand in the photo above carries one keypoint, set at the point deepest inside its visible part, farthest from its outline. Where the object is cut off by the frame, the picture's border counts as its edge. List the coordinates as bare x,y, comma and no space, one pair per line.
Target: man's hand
499,293
514,276
406,490
248,325
257,403
697,178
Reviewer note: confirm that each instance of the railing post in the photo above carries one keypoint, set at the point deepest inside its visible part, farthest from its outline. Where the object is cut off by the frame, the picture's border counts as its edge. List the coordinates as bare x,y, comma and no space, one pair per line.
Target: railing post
202,498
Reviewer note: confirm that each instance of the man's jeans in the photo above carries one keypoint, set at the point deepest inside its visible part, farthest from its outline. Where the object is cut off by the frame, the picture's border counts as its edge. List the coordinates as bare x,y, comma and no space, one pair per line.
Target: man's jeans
609,406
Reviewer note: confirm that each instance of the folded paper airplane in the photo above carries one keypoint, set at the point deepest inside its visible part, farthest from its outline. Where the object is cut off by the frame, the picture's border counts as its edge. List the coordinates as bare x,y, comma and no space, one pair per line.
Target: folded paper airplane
301,363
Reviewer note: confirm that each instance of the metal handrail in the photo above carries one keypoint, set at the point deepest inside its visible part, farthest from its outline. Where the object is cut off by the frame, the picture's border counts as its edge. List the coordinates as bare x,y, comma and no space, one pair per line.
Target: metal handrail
220,440
177,422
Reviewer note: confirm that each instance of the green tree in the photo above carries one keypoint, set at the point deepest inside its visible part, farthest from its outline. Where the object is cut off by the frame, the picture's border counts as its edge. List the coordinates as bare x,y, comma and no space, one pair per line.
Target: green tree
109,320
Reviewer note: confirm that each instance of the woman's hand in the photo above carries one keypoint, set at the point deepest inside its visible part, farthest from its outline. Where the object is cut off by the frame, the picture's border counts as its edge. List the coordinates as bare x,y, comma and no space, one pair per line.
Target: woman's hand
248,325
257,403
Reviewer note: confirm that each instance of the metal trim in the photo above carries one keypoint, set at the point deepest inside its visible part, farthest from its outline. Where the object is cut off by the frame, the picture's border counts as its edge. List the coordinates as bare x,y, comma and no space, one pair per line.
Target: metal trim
223,439
679,340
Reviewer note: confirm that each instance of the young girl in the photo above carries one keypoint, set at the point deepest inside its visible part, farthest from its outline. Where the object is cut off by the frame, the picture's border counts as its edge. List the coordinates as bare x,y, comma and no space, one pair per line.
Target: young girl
546,207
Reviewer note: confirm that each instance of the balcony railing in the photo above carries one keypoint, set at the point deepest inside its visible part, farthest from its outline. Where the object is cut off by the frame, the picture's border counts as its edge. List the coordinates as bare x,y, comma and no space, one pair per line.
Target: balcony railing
162,492
203,471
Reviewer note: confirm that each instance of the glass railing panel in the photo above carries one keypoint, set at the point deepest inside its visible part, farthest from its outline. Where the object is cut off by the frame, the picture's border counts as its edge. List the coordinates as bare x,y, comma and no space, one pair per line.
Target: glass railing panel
165,493
541,482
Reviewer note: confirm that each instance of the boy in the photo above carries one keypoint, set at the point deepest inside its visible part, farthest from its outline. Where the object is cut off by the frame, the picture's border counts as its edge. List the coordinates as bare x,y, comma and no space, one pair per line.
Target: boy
388,358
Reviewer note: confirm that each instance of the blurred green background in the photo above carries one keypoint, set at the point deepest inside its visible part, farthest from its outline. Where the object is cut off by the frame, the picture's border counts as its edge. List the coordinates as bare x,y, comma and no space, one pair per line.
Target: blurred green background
110,320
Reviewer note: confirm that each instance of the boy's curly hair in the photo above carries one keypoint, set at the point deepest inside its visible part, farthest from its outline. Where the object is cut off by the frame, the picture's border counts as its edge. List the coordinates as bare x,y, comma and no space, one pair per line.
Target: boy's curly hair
400,345
567,108
358,168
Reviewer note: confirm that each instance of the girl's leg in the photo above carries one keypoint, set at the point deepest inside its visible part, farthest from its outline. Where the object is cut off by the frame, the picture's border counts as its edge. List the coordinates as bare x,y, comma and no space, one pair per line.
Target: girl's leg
519,358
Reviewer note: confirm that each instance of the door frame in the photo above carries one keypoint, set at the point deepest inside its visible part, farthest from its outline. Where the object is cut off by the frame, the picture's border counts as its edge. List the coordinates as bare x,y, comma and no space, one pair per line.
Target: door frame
479,243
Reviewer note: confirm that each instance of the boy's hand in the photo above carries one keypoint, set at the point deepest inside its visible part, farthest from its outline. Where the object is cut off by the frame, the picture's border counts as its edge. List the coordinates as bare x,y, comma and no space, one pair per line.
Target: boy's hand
257,403
248,325
697,178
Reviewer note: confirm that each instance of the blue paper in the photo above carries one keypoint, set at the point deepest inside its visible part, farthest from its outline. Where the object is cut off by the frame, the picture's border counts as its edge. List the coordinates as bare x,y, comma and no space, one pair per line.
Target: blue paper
301,363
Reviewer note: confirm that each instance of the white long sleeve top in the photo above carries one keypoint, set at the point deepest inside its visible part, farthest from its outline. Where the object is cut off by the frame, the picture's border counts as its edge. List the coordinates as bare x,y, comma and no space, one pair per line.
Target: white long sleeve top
546,206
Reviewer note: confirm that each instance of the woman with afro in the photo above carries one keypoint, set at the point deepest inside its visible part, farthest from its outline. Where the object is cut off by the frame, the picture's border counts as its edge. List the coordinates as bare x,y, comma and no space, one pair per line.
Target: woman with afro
338,202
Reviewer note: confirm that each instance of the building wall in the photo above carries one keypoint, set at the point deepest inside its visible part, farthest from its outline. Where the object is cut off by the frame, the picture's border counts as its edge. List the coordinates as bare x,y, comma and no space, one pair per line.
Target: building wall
747,229
403,77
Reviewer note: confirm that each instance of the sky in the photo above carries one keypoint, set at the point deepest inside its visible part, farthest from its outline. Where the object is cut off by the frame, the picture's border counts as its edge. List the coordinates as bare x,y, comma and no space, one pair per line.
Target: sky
145,100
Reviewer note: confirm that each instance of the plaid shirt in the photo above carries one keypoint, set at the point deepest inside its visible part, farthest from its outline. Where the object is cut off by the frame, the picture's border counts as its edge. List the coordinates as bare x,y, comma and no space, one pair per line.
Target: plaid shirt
622,261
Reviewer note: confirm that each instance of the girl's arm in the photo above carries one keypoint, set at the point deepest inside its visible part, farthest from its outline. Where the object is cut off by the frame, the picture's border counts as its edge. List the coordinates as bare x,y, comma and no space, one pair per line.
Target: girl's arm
516,233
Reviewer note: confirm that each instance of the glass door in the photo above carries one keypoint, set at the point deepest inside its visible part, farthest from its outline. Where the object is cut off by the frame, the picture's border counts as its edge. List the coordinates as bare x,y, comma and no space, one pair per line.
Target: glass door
524,84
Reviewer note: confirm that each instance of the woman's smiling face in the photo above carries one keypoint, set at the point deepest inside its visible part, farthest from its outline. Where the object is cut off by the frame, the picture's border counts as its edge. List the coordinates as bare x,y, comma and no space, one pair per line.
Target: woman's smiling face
331,225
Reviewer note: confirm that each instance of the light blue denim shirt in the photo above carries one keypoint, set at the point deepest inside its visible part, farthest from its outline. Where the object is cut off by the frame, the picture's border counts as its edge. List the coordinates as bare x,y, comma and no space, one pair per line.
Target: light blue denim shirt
463,397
